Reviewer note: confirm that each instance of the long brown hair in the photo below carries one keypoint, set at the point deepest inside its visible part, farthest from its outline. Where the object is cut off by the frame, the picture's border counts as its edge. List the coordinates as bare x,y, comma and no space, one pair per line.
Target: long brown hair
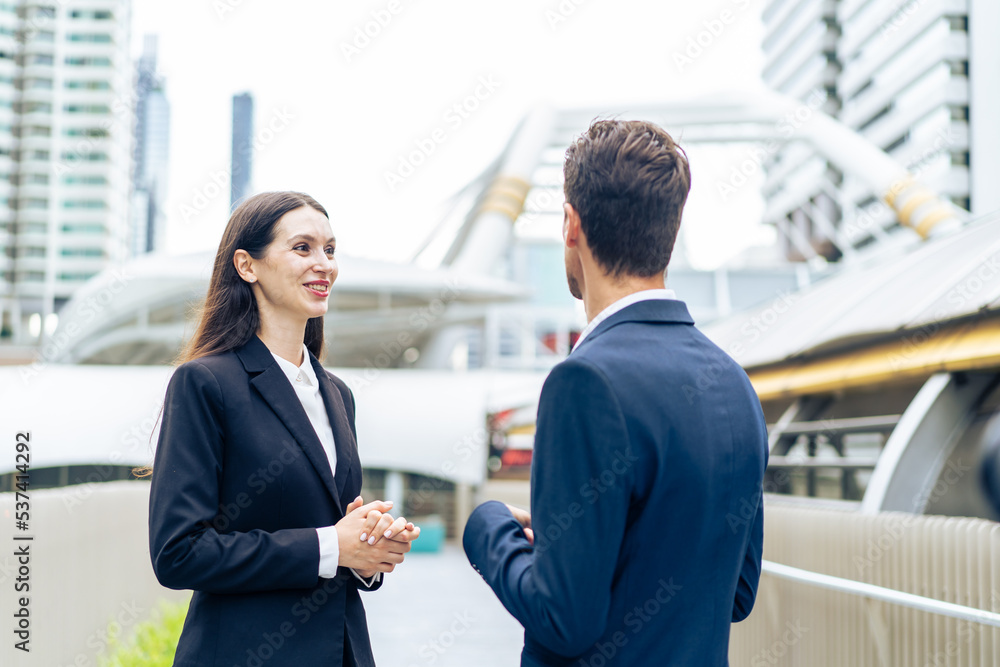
228,316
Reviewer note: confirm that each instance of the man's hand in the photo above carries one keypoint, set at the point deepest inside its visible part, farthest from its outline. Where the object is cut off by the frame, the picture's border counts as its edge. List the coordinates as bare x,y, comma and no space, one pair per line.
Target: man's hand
367,559
524,518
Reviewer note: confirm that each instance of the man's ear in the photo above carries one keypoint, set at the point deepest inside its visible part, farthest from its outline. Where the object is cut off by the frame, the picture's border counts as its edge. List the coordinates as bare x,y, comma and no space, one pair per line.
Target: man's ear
571,226
244,265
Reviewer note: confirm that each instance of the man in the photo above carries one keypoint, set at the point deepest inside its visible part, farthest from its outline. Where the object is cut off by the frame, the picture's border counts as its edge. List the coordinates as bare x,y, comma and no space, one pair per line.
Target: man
644,539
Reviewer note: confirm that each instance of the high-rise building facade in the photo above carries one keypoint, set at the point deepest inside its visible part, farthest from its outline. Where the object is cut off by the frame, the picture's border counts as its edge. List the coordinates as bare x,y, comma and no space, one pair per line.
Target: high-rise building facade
242,156
65,153
915,77
152,139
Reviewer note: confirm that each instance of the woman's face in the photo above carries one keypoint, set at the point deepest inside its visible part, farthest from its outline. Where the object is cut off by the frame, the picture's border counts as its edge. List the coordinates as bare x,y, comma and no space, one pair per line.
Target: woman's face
296,273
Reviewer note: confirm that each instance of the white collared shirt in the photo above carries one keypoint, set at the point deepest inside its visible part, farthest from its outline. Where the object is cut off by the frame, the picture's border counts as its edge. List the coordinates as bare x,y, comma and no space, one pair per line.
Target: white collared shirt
634,297
306,385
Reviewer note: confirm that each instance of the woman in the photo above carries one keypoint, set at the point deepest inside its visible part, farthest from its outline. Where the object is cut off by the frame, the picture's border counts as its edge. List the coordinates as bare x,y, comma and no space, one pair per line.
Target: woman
254,500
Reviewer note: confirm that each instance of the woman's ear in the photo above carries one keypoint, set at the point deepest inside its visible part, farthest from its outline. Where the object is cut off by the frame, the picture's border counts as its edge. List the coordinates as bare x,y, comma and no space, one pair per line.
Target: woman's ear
244,265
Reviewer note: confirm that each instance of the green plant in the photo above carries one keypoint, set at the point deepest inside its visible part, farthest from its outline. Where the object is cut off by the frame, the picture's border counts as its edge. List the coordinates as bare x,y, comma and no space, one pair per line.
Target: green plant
153,641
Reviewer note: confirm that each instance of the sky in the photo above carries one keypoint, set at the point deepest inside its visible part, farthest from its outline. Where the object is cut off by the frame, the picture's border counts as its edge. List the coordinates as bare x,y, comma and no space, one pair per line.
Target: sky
345,91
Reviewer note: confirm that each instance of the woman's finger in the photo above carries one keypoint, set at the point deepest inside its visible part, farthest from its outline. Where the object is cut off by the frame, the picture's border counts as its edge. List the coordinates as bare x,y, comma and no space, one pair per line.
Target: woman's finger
380,505
396,527
407,534
354,504
367,528
378,530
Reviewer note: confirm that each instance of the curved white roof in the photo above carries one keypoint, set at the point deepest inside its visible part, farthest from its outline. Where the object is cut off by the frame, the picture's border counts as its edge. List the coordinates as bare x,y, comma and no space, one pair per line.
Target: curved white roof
105,310
427,422
950,277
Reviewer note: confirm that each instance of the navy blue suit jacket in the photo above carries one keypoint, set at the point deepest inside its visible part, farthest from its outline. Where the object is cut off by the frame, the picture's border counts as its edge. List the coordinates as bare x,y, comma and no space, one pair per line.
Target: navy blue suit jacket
646,501
240,483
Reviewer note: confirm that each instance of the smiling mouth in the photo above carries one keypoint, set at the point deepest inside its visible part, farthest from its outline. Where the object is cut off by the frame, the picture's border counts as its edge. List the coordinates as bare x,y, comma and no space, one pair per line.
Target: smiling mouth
318,289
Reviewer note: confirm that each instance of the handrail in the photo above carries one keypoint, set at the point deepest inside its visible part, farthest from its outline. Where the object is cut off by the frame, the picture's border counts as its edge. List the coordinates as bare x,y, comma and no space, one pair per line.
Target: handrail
843,426
855,462
880,593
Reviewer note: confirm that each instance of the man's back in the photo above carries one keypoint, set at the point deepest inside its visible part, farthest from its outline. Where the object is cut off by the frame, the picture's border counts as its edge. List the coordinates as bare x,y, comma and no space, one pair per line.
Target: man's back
646,490
650,447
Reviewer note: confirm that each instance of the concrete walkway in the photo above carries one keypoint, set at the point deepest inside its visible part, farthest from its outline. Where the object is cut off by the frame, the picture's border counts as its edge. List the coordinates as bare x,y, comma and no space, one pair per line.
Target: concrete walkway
435,610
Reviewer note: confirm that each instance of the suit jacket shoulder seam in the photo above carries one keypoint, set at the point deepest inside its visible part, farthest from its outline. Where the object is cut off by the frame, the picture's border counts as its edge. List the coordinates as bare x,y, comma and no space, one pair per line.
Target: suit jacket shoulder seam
583,361
218,385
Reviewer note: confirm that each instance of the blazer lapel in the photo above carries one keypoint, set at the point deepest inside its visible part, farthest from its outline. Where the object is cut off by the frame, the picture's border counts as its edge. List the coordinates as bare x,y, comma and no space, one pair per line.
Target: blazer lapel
343,438
268,378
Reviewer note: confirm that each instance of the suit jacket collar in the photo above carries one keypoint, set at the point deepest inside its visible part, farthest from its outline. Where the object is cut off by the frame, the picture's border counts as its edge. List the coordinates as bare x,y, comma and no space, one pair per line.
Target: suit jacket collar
654,310
272,384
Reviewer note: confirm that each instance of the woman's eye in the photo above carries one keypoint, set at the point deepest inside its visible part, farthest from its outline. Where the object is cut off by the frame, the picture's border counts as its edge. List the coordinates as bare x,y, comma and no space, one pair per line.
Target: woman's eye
330,251
301,246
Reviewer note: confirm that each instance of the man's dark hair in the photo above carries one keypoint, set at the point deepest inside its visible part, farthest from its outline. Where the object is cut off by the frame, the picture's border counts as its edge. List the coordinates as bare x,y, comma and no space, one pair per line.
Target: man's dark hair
628,180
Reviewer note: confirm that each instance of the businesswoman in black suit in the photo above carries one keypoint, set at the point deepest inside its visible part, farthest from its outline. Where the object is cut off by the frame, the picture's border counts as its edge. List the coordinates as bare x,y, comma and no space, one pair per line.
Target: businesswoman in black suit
254,499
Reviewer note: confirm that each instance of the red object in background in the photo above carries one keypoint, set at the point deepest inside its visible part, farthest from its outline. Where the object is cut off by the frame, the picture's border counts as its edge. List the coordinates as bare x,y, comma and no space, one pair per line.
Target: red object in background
551,340
498,420
515,458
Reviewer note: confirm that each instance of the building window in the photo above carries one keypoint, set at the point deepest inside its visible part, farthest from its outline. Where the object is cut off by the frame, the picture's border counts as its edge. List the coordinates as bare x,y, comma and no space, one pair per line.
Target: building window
73,179
89,157
85,203
33,276
76,276
82,252
93,37
44,84
37,107
86,108
34,203
36,179
38,155
82,228
41,59
39,131
92,61
97,14
88,85
98,132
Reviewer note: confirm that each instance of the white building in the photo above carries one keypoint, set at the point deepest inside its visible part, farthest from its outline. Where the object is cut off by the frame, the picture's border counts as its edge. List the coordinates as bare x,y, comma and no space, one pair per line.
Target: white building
68,174
915,77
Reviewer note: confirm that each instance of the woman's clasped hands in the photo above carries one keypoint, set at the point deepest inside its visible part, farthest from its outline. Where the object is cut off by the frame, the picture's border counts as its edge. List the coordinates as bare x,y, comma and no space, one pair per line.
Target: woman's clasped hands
371,540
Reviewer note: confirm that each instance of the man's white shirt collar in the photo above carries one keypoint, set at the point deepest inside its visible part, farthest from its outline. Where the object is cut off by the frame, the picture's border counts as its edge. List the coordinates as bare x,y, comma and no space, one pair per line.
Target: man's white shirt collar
634,297
299,375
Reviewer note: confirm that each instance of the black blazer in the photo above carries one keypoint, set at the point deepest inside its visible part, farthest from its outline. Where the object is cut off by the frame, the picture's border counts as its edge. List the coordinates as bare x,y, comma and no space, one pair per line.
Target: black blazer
646,501
240,483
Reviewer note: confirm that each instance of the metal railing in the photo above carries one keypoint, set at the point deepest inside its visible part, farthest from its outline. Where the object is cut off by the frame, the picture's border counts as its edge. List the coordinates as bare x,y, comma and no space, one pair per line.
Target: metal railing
889,589
873,592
